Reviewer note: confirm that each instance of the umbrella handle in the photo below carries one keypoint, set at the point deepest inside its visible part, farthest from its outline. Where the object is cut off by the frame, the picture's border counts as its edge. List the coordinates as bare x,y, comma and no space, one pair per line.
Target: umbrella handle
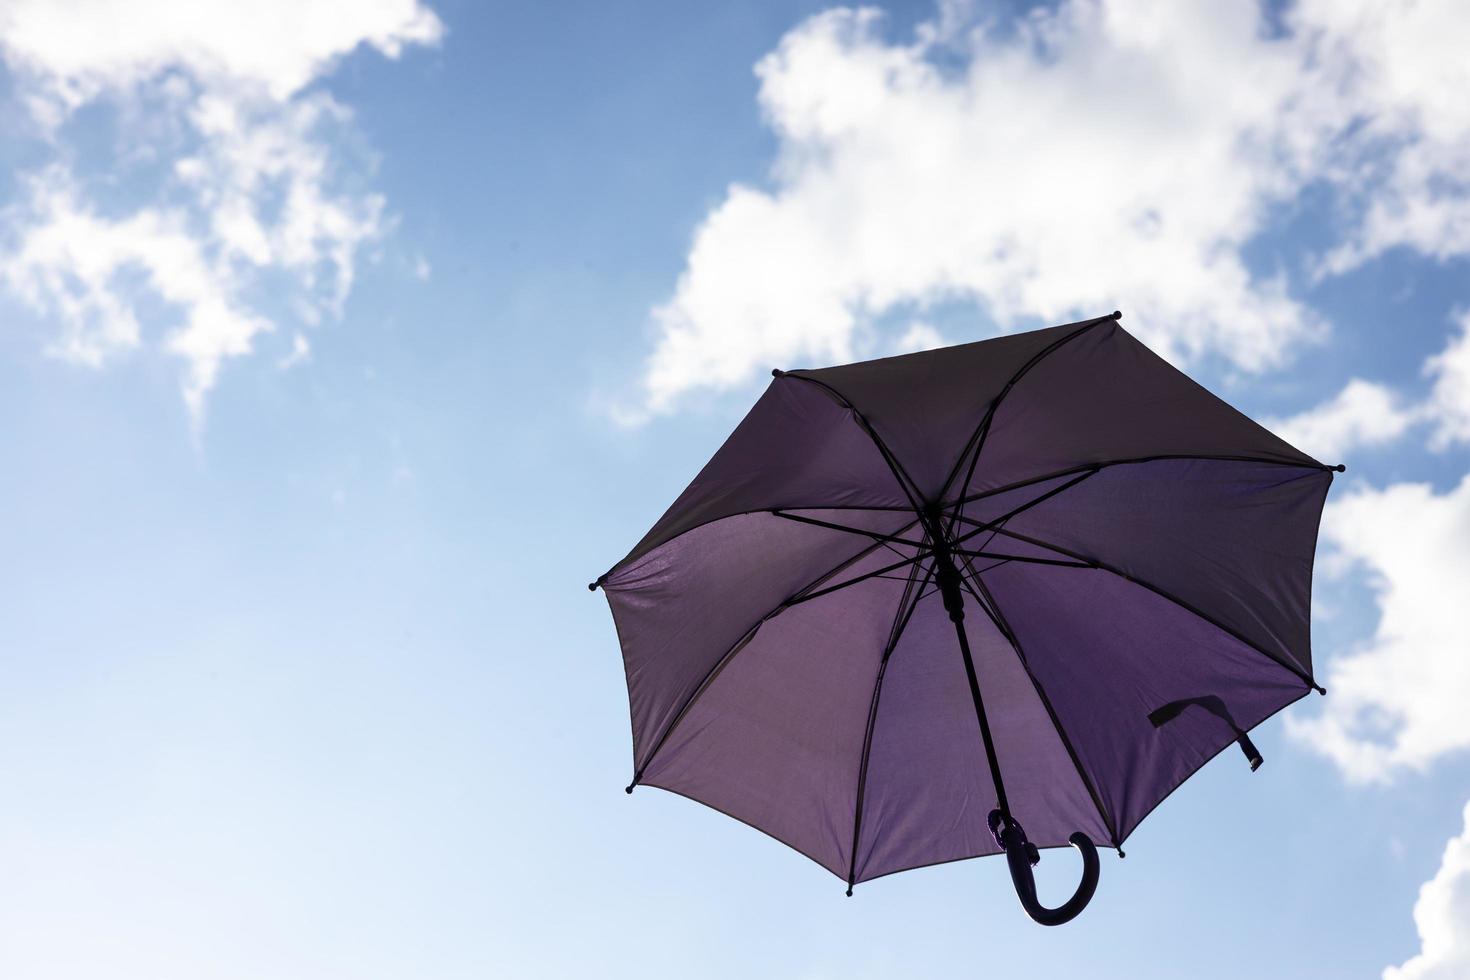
1021,855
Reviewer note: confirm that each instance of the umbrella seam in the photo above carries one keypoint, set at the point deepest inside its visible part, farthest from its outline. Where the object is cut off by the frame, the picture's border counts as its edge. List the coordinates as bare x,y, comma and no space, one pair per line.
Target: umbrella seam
1161,457
631,557
1190,775
900,624
1176,600
729,655
910,488
1049,847
878,536
977,438
1002,624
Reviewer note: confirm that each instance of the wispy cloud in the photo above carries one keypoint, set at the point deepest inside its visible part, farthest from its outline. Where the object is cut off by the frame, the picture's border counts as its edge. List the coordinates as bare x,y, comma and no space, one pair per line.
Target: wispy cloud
238,175
300,353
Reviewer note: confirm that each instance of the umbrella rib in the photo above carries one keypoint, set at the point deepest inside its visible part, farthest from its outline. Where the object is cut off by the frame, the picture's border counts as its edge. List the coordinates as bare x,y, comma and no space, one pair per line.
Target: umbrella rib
910,488
992,610
977,438
1165,594
901,622
982,526
1105,464
997,564
807,597
878,536
635,554
1021,558
884,539
739,644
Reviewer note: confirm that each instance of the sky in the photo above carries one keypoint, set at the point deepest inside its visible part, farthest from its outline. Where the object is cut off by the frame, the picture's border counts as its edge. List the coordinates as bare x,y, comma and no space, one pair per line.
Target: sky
344,343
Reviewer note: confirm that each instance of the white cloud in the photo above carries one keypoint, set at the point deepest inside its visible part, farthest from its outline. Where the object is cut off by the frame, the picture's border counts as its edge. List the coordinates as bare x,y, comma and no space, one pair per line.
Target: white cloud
1449,402
300,353
1442,914
237,175
1398,703
1115,155
919,336
81,49
1099,155
1364,413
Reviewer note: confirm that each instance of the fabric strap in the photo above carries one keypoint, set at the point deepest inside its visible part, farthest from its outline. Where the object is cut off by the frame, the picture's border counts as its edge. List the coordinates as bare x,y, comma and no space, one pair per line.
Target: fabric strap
1212,704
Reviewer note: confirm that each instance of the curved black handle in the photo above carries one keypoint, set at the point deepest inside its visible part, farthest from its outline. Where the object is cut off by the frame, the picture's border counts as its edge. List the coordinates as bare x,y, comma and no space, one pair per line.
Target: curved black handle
1021,855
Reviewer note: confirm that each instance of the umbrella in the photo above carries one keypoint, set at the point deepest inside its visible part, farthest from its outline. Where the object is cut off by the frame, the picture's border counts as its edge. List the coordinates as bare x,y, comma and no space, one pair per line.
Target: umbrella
914,603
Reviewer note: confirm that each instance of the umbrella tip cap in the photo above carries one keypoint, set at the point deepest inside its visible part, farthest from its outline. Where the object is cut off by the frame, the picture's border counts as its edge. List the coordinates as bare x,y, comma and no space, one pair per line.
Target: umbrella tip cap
1340,467
629,788
1117,314
777,373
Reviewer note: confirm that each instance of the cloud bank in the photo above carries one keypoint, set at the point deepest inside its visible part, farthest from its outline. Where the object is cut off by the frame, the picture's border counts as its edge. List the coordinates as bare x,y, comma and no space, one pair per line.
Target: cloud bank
1099,154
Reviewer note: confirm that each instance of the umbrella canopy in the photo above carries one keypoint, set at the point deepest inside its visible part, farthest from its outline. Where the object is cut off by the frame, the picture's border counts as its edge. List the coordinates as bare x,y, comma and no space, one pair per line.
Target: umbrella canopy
914,603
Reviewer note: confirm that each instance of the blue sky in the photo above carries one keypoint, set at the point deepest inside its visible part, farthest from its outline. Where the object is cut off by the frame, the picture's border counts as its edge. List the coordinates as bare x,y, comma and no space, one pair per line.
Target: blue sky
339,359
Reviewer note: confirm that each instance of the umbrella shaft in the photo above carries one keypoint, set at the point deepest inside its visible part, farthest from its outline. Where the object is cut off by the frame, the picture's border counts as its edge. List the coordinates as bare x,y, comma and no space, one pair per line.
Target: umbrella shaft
949,588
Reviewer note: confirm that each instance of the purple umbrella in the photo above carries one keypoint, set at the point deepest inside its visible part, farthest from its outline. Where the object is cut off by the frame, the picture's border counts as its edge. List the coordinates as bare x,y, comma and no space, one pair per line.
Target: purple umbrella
1049,555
